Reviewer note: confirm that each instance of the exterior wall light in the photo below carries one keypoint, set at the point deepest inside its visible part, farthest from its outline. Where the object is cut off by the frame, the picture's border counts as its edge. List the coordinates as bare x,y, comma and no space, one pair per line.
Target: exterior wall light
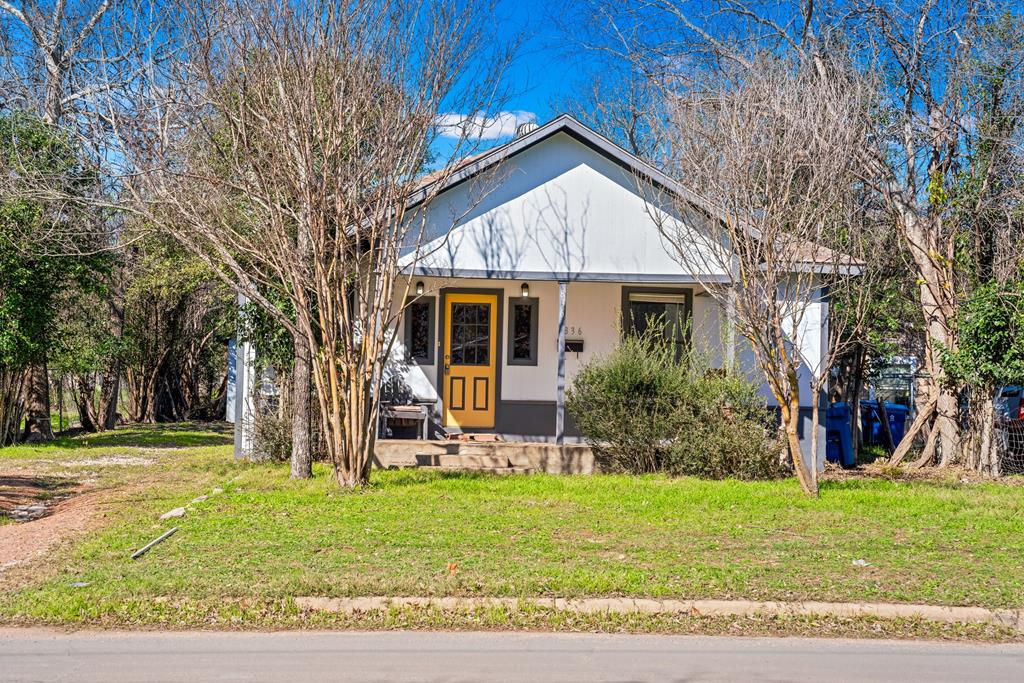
419,288
526,289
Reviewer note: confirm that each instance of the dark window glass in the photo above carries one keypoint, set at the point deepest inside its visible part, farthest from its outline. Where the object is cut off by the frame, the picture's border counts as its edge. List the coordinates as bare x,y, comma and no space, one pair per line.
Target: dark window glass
522,331
419,330
666,319
471,334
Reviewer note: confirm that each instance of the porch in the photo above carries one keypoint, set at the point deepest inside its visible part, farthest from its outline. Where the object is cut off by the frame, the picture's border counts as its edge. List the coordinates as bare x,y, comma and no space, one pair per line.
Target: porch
497,355
498,457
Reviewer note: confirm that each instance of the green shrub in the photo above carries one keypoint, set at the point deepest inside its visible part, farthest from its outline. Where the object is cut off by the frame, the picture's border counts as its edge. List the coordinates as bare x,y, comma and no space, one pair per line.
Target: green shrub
642,410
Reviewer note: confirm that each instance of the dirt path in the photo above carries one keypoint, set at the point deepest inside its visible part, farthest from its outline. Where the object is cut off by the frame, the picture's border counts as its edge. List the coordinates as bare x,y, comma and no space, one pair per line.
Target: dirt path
22,542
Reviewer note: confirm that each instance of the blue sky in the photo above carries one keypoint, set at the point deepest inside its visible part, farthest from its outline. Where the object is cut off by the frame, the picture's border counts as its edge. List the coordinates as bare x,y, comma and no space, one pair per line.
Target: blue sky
545,70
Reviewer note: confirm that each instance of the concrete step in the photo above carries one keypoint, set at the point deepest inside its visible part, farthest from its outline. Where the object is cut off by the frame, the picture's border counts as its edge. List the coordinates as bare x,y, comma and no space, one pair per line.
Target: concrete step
470,448
473,460
484,470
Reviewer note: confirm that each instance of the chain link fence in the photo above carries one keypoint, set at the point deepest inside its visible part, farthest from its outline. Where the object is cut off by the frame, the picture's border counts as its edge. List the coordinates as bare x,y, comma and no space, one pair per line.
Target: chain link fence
1009,444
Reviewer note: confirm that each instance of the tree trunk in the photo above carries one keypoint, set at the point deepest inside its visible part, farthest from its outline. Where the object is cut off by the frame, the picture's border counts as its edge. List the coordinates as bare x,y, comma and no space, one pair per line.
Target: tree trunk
357,441
947,421
938,335
928,452
883,420
37,406
975,440
815,421
302,457
790,409
221,406
988,460
61,425
348,413
853,399
111,389
935,289
85,386
12,388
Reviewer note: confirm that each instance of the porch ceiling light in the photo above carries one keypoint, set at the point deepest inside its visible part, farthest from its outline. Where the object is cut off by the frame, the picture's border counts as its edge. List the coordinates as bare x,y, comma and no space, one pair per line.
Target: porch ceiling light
419,288
526,289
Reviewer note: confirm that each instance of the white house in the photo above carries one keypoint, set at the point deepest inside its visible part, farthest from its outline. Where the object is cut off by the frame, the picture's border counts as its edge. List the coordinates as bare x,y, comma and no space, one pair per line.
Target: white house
538,255
555,251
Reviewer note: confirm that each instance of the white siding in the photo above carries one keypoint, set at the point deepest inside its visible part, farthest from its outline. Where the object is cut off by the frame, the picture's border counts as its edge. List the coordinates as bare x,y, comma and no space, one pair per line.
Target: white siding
558,207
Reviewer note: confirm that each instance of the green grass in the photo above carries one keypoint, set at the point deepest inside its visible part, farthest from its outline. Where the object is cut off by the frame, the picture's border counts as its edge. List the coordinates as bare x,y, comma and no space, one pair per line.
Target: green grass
123,440
267,538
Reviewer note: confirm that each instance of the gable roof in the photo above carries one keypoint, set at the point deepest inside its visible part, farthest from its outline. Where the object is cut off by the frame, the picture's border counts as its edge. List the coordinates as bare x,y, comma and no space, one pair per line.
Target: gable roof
469,167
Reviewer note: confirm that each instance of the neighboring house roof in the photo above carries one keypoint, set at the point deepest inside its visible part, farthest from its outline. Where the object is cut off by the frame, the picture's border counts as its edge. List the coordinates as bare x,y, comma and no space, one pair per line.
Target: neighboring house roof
818,257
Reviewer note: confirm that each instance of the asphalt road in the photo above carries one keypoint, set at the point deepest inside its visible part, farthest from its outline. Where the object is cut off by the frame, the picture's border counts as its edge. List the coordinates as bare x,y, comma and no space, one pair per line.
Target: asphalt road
298,657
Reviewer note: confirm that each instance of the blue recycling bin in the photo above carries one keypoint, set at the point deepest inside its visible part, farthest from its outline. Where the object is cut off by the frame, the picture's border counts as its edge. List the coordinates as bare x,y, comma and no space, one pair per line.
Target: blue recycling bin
871,423
897,421
838,437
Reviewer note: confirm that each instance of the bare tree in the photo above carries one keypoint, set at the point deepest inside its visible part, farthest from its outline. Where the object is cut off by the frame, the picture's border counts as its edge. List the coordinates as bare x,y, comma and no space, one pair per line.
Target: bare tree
287,148
764,151
918,150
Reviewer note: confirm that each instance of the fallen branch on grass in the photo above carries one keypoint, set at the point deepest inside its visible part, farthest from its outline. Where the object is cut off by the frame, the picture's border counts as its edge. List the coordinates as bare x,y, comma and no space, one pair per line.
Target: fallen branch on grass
163,537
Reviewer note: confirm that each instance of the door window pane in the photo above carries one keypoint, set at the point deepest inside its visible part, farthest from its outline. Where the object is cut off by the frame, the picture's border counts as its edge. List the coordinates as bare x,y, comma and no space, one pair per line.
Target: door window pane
471,334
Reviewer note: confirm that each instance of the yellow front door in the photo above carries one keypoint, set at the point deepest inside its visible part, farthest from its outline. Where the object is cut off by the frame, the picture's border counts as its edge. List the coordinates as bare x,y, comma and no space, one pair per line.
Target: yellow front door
470,360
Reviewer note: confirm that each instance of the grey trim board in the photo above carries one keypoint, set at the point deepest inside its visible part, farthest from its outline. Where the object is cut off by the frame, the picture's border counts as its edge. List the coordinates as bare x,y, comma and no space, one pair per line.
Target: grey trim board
534,418
565,276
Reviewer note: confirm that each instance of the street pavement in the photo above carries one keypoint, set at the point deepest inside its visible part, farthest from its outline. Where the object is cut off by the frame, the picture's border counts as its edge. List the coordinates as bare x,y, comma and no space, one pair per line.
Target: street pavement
300,657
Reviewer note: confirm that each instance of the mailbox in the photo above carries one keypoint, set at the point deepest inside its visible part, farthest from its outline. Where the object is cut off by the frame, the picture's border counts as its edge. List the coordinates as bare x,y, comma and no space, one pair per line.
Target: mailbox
574,346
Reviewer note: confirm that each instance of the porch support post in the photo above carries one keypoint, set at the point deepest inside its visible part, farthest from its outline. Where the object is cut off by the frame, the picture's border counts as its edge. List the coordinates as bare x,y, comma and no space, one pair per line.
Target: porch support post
560,399
245,370
730,331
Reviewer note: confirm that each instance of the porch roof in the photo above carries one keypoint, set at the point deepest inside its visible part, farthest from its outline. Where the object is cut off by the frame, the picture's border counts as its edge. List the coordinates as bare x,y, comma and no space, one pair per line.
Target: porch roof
567,276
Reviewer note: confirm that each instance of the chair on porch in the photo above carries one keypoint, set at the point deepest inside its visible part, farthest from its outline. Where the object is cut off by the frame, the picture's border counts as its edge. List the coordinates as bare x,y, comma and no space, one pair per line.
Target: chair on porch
404,403
402,415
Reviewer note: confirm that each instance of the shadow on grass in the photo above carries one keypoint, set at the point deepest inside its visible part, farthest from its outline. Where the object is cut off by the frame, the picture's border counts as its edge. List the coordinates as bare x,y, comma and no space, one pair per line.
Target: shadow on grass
18,490
181,435
882,483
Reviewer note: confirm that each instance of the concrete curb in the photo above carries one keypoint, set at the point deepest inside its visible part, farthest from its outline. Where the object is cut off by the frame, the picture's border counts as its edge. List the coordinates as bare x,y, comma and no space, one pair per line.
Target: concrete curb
1012,618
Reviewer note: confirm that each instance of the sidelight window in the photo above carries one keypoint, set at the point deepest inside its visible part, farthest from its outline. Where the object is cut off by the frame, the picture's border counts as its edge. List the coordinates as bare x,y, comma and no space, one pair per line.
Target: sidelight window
419,330
522,331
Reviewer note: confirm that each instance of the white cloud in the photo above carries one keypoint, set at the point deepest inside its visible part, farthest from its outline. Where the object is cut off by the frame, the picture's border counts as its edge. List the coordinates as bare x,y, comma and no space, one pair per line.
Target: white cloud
483,127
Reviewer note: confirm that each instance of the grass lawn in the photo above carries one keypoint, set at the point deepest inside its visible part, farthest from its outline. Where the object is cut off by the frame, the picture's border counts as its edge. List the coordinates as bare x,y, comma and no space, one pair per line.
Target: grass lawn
266,539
